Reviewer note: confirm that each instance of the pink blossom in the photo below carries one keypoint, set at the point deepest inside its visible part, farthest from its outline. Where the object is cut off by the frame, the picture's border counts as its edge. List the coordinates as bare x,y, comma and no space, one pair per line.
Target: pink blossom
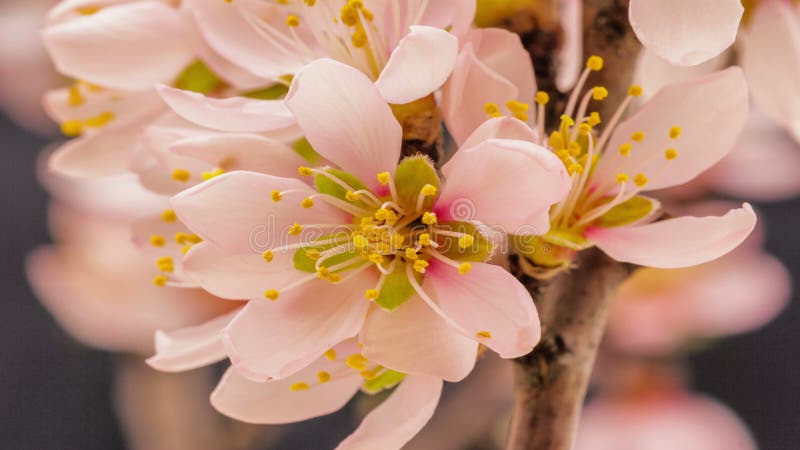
666,143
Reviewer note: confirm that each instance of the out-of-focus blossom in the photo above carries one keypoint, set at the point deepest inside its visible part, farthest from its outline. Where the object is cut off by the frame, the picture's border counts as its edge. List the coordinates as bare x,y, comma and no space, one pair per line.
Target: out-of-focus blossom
660,418
25,70
686,32
658,311
94,282
666,143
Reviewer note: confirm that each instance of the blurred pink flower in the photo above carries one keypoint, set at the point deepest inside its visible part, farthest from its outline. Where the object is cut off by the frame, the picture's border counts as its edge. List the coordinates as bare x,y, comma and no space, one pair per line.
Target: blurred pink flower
660,419
666,143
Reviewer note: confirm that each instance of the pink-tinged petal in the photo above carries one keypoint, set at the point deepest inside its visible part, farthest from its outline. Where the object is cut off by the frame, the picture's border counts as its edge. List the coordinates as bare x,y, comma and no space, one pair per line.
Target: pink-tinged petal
192,347
487,300
242,276
471,86
661,420
419,65
653,73
274,339
453,15
686,32
681,242
569,60
710,111
233,30
125,106
507,183
774,35
131,46
765,146
415,339
399,418
67,9
251,152
240,114
273,402
235,211
501,128
502,52
346,119
101,154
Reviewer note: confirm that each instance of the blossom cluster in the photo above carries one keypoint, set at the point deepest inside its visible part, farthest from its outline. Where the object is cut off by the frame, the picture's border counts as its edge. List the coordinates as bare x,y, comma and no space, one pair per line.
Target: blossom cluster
242,175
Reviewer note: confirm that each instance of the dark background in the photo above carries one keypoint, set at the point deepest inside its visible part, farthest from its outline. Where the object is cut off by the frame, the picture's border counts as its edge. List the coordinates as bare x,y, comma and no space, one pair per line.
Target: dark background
55,394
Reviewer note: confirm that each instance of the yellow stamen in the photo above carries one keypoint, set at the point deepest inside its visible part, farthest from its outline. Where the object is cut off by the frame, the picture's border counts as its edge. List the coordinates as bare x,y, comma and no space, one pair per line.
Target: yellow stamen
169,216
100,119
272,294
670,154
368,374
675,132
542,98
157,240
491,109
181,175
420,265
211,174
424,240
484,334
464,268
268,256
323,377
635,91
292,20
72,128
295,229
429,218
352,196
76,98
625,149
313,254
622,178
640,180
594,63
384,178
376,258
304,171
356,362
466,241
637,136
599,93
594,119
307,203
299,387
276,196
331,355
160,281
411,253
428,190
371,294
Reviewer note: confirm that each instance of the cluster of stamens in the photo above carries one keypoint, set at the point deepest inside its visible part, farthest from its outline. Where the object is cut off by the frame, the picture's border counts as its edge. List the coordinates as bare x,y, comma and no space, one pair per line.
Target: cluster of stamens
166,264
376,377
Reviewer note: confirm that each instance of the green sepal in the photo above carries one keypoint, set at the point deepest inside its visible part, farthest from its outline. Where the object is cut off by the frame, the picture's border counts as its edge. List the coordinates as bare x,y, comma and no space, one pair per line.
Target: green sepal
303,148
543,253
197,77
480,250
304,263
566,238
412,174
386,380
396,288
273,92
628,212
327,186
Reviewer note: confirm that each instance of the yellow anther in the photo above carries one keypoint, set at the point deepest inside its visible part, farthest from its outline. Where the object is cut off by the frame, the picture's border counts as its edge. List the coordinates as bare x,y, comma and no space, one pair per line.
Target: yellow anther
428,190
181,237
211,174
411,253
268,256
594,119
563,154
376,258
567,120
420,265
160,281
359,38
352,196
334,278
181,175
295,229
271,294
360,242
76,98
622,178
464,268
491,109
331,355
368,374
466,241
584,129
305,171
292,20
323,272
371,294
99,120
169,216
384,178
424,240
640,180
310,2
675,132
670,154
164,260
637,136
276,196
484,334
542,98
594,63
185,249
429,218
518,109
313,254
625,149
599,93
575,168
635,91
356,362
157,240
323,376
72,128
574,149
299,387
307,203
